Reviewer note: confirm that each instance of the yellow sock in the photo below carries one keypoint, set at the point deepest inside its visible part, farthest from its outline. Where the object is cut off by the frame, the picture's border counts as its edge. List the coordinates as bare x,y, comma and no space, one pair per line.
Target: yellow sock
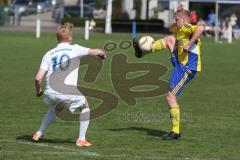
158,45
175,118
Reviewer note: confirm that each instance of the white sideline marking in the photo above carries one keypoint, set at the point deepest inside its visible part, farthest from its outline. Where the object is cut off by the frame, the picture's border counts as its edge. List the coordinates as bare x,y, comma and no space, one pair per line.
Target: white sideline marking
87,153
75,151
41,152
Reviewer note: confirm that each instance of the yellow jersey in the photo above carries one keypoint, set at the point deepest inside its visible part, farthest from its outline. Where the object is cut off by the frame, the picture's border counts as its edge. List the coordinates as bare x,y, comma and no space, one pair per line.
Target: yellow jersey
191,58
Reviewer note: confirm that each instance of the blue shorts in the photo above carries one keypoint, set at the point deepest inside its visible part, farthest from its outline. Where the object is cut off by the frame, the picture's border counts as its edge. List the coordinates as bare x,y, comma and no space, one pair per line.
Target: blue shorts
180,76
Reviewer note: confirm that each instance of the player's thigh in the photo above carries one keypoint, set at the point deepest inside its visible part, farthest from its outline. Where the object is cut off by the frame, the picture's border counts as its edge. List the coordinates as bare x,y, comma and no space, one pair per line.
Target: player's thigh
78,102
178,79
50,100
73,102
191,76
170,42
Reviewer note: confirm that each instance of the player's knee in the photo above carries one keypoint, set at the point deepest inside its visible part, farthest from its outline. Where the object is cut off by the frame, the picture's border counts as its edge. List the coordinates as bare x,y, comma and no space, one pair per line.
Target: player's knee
170,97
171,100
85,105
85,114
170,41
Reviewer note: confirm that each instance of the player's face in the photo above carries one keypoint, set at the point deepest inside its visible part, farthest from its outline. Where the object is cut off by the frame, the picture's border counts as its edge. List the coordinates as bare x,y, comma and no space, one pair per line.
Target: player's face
179,20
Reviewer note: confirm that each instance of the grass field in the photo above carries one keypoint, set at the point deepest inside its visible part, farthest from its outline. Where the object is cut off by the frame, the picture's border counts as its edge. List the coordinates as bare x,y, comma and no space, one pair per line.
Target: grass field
210,103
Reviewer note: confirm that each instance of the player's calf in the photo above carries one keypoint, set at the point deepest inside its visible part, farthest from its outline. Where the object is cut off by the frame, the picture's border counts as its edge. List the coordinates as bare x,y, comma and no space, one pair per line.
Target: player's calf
84,122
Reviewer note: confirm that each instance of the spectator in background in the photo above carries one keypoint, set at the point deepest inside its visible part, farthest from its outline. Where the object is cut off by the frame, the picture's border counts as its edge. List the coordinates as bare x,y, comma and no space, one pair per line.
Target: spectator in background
225,28
210,24
233,20
193,17
17,16
236,29
211,19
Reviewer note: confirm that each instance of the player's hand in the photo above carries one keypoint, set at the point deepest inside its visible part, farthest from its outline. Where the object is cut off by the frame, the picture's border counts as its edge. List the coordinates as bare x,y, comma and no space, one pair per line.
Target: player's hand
101,54
38,94
187,47
97,53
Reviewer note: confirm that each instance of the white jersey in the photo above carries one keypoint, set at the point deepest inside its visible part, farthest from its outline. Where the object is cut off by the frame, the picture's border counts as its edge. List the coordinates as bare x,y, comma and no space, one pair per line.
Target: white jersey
56,57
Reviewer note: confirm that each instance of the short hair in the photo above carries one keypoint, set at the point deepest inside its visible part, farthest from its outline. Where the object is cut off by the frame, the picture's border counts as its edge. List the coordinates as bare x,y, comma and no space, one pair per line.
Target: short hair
183,12
64,32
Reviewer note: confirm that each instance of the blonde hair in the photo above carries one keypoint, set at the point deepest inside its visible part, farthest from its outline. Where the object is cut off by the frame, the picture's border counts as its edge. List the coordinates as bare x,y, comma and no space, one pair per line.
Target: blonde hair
64,32
183,12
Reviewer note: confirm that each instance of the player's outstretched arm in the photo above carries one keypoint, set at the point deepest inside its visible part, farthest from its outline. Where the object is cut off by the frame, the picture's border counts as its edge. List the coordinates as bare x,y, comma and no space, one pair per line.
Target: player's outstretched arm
38,80
198,32
98,53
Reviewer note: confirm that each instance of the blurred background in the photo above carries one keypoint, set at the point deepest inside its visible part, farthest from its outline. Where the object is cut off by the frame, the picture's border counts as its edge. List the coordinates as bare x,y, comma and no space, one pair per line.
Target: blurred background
220,17
210,122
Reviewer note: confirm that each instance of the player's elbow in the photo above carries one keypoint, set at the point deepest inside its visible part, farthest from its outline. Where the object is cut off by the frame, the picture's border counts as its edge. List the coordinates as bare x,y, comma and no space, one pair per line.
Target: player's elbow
39,76
38,79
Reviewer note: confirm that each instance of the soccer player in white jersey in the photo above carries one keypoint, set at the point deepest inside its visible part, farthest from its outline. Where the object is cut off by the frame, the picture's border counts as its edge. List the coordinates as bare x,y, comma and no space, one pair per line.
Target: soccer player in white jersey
51,61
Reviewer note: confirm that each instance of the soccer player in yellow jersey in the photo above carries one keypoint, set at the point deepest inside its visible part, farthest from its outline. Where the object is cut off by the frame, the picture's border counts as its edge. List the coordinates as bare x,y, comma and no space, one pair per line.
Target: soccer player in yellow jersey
184,46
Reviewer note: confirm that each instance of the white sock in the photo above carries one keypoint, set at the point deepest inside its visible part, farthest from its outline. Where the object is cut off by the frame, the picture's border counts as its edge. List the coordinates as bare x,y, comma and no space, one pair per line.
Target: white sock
48,118
84,122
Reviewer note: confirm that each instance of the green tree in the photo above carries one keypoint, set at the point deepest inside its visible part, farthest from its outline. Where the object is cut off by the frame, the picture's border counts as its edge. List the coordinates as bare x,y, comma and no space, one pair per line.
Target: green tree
4,2
138,4
98,4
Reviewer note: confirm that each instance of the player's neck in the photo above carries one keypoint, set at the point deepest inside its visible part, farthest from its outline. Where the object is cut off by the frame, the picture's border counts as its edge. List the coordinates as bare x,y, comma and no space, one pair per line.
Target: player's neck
64,42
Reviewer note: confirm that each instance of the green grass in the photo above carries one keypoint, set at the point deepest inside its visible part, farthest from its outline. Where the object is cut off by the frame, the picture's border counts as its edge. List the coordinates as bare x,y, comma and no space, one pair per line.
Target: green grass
211,100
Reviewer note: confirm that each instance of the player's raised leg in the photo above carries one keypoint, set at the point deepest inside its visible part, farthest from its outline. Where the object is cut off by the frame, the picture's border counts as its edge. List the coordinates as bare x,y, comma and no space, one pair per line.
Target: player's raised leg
84,122
166,42
158,45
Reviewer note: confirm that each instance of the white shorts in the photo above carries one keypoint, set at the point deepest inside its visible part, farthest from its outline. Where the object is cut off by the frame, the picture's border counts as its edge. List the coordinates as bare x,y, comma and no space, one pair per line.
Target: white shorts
77,101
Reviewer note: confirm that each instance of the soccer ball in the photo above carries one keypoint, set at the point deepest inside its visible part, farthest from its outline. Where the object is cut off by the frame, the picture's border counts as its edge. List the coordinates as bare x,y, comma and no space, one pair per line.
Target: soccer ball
145,43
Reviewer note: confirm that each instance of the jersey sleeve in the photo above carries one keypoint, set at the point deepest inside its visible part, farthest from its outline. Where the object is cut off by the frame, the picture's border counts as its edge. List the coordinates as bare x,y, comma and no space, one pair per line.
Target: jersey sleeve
190,29
194,28
44,65
80,50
